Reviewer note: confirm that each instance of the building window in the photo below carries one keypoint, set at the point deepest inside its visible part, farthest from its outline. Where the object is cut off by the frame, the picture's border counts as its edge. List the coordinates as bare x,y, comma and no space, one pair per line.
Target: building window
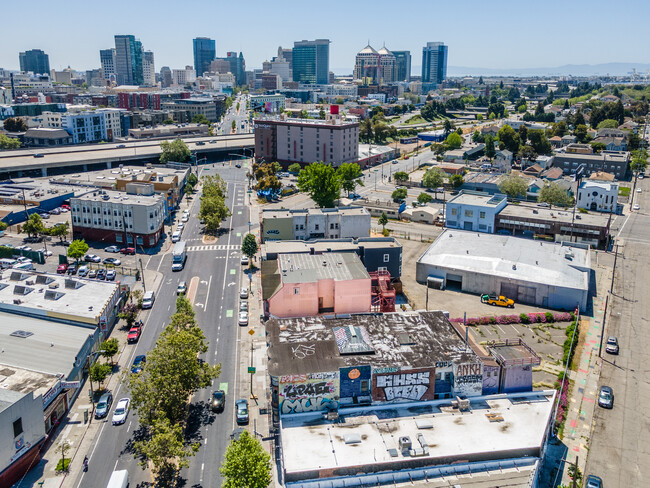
18,427
382,268
454,211
316,227
297,227
296,291
118,237
386,258
469,213
481,215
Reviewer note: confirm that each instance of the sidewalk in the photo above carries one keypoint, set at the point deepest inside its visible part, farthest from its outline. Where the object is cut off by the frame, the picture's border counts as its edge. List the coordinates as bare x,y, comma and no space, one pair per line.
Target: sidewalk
81,435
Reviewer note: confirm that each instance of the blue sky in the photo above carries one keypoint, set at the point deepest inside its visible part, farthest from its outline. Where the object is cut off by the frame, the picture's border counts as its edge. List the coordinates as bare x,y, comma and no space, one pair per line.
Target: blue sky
479,33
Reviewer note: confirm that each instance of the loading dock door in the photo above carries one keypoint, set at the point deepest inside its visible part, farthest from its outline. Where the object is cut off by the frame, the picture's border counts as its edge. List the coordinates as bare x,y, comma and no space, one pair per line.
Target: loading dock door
509,290
527,294
454,281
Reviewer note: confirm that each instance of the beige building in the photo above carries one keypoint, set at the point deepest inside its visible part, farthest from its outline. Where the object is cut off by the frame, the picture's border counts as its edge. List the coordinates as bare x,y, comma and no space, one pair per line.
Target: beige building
333,140
315,223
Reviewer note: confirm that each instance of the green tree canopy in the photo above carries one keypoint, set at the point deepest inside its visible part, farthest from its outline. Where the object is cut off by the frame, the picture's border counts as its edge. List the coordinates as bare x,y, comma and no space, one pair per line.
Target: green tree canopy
294,168
456,181
424,198
509,139
99,372
33,226
539,142
176,151
365,130
8,142
608,124
513,186
639,161
581,133
399,195
200,119
401,176
213,202
383,220
109,348
433,178
321,182
490,151
598,146
527,152
15,124
246,464
454,141
554,194
249,245
350,175
59,230
77,249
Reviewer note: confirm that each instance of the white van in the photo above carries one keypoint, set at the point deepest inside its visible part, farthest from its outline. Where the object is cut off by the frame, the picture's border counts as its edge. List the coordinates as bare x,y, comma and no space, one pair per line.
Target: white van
6,263
24,266
148,299
176,236
119,479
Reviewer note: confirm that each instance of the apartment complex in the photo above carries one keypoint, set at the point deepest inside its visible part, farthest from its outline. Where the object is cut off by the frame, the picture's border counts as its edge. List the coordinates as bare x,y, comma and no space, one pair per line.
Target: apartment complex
115,217
615,162
333,140
315,223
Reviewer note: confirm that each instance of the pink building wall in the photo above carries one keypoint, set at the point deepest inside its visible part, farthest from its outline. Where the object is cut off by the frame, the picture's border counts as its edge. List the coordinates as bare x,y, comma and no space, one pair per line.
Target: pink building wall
352,296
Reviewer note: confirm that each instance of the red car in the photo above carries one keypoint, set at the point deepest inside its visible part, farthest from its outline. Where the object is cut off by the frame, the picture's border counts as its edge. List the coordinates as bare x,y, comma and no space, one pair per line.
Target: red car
67,207
134,333
62,268
128,250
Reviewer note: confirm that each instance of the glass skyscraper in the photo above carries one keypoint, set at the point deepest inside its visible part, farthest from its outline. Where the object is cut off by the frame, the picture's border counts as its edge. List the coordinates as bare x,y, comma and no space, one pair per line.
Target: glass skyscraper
402,65
434,62
311,61
35,61
204,53
128,60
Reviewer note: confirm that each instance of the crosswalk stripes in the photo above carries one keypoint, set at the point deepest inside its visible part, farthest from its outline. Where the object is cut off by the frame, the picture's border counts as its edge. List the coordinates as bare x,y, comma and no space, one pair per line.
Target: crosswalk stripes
214,247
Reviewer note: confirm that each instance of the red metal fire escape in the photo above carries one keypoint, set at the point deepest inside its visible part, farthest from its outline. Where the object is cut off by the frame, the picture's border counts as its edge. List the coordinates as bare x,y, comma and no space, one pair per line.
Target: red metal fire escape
383,294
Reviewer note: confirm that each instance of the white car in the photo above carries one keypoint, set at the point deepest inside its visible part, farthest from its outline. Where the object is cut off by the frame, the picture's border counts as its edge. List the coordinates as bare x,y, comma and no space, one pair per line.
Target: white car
185,218
46,253
243,306
244,260
636,207
121,411
23,259
83,271
243,293
639,190
243,318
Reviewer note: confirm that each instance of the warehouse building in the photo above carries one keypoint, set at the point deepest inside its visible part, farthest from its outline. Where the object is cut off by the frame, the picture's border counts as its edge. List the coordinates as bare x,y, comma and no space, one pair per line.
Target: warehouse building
534,272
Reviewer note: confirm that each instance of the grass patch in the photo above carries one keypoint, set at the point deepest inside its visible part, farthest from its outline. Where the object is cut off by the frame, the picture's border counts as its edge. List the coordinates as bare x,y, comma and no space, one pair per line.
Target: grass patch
624,191
416,119
63,465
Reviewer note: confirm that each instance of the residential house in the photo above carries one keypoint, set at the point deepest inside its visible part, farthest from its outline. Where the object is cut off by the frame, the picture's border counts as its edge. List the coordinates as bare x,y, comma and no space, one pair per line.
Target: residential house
613,133
534,170
613,143
579,149
568,139
556,141
602,176
425,215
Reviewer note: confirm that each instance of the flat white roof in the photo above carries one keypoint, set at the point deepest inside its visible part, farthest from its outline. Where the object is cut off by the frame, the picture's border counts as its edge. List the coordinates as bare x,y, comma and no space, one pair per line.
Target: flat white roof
505,425
510,257
82,300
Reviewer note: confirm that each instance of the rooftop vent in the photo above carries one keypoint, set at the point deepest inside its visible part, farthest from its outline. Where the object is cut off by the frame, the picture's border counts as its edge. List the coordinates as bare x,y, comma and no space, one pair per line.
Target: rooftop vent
23,334
17,276
22,290
53,295
53,285
404,444
405,339
352,438
73,284
44,280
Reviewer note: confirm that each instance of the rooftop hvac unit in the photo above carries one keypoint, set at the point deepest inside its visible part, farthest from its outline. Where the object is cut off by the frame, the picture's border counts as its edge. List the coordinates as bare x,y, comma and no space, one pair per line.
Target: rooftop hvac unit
404,443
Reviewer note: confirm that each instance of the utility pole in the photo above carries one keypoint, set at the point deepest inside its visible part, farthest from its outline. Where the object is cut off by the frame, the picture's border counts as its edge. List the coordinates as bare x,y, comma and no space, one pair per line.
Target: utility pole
144,287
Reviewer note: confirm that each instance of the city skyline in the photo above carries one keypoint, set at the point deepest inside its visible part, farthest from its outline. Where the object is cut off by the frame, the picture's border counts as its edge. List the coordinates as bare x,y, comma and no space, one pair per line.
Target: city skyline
541,37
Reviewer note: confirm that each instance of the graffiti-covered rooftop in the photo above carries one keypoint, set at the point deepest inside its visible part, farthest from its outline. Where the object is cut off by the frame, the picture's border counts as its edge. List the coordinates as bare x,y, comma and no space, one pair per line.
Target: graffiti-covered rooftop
319,344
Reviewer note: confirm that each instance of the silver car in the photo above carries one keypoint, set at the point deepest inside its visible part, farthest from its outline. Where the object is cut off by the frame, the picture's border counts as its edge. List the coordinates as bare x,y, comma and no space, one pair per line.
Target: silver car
103,405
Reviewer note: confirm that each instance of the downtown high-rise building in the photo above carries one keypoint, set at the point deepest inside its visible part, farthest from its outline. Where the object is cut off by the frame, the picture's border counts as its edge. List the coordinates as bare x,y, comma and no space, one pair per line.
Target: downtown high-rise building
107,61
402,65
204,53
35,61
166,79
434,62
311,61
148,69
237,66
128,60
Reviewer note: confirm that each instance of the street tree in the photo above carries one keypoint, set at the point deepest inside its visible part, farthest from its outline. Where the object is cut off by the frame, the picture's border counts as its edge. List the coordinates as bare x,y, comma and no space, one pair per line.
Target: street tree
448,126
424,198
33,226
99,372
15,124
350,175
200,119
109,348
174,151
60,230
294,168
554,194
233,125
129,313
454,141
7,142
399,195
489,146
213,203
249,246
321,182
165,448
509,139
456,181
539,142
433,178
639,161
608,124
77,249
246,463
513,186
383,220
401,176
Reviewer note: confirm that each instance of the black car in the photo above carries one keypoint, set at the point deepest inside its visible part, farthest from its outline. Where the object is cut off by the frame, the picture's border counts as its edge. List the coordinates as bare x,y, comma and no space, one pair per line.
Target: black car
101,274
72,269
218,400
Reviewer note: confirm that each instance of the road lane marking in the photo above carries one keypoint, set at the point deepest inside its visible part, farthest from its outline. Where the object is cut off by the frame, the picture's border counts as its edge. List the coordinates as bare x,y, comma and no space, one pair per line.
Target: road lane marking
229,313
233,271
224,387
208,294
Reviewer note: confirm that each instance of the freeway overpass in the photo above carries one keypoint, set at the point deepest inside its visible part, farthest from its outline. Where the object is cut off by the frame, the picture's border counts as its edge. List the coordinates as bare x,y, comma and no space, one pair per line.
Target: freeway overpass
61,160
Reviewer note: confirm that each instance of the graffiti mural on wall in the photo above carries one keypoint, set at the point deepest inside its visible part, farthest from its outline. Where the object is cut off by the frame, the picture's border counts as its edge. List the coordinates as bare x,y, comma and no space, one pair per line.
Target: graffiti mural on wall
308,392
404,385
468,379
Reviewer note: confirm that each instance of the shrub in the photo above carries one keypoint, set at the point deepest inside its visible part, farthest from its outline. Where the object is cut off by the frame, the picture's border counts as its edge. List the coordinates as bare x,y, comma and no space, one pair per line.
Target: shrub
549,317
569,346
524,319
493,319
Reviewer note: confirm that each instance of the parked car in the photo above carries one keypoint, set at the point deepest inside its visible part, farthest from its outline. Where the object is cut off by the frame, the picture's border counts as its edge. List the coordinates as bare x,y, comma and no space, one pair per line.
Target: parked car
23,259
498,300
92,258
111,275
128,250
103,405
606,397
243,318
243,306
101,274
612,345
181,288
218,400
112,261
241,406
185,218
112,249
92,273
244,260
39,155
636,207
83,271
134,333
148,299
138,363
72,269
55,211
121,411
594,481
243,293
45,252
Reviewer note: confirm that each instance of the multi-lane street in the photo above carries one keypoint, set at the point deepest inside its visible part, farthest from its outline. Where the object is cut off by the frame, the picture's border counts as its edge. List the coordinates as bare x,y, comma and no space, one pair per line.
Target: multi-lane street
213,274
240,117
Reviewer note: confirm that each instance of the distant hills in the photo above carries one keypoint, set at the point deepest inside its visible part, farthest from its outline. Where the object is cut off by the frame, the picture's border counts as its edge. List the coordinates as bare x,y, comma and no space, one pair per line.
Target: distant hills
614,69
